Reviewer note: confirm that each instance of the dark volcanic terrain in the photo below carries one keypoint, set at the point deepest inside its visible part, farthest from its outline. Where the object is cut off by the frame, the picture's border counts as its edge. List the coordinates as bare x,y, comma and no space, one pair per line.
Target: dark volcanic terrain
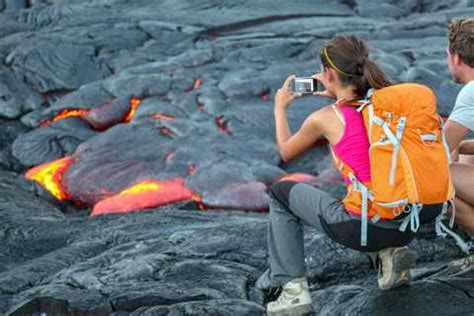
163,111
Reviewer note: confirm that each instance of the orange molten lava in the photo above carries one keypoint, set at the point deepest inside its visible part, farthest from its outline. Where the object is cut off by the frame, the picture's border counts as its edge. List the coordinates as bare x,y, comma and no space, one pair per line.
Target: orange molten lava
166,131
168,155
64,114
197,198
134,103
222,124
146,194
197,83
163,116
297,177
49,175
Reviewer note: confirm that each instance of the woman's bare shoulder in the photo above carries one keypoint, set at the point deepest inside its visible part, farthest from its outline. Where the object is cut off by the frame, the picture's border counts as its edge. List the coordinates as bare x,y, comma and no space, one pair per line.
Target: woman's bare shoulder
326,112
326,121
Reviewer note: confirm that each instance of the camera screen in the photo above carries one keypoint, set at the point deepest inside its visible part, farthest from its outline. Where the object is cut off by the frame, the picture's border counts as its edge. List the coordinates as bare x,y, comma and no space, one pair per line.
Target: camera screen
304,85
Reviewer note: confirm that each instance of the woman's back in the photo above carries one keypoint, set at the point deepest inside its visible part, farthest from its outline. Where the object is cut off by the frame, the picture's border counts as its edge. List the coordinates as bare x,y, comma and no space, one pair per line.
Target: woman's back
353,146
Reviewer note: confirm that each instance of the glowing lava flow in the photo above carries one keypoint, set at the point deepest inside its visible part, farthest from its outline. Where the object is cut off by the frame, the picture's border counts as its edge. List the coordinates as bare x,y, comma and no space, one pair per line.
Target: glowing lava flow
166,131
168,155
163,116
297,177
222,124
146,194
197,83
64,114
134,103
264,95
49,175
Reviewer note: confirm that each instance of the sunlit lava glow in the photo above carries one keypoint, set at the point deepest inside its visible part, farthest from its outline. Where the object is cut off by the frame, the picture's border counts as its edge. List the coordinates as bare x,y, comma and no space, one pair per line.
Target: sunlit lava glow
168,155
142,187
198,199
264,95
134,103
297,177
163,116
222,124
146,194
197,83
50,174
64,114
166,131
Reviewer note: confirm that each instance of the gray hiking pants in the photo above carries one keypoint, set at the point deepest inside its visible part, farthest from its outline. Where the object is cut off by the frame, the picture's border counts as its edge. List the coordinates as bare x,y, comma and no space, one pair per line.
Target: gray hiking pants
295,204
285,230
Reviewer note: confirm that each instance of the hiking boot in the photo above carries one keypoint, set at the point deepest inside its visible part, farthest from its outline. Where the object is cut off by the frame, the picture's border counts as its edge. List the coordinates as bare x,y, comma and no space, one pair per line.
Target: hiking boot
395,265
293,300
464,264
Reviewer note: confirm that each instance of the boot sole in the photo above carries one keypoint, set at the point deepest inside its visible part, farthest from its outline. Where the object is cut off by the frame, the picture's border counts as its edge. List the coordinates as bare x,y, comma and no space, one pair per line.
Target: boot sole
294,311
403,261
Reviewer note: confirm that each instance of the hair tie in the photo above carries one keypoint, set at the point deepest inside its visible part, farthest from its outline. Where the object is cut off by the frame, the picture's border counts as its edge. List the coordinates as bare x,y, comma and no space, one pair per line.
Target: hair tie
360,66
334,66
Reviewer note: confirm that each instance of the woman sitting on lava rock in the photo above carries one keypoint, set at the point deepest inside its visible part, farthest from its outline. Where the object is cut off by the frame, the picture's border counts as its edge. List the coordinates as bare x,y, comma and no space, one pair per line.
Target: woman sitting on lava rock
347,75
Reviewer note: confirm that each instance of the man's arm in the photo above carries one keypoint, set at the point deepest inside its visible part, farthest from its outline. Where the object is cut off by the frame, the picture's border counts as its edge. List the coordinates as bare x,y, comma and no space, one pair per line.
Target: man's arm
455,133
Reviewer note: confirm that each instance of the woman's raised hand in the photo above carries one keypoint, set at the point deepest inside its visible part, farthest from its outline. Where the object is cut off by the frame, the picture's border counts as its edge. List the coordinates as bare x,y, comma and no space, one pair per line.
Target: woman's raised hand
324,93
285,94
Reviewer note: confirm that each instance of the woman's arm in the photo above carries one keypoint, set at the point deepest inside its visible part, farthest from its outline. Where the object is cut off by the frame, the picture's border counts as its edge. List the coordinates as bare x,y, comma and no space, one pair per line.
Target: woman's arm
291,146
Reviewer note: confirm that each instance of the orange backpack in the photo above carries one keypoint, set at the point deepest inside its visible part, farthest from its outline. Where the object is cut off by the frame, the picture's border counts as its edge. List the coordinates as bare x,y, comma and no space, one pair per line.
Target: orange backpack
409,159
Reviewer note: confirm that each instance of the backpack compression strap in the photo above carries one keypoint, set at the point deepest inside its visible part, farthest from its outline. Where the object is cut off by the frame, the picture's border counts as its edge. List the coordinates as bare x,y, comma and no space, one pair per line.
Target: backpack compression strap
366,196
443,230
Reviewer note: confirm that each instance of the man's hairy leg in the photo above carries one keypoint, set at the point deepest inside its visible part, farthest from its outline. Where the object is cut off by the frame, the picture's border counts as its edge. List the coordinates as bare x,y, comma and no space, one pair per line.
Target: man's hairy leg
464,216
463,180
466,159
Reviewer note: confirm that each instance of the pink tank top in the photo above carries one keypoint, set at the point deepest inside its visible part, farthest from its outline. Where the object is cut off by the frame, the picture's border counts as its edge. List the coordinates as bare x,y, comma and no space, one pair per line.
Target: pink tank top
353,147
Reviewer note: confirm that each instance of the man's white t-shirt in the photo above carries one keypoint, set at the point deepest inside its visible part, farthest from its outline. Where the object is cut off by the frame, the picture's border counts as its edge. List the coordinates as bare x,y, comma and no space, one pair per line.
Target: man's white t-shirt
463,111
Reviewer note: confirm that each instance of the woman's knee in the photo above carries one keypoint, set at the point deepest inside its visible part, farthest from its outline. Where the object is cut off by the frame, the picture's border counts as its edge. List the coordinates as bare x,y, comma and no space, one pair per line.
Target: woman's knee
280,191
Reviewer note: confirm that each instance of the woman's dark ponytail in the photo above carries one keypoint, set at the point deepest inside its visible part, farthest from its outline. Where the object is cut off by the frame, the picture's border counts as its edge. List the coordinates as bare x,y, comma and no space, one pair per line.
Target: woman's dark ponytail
374,75
348,55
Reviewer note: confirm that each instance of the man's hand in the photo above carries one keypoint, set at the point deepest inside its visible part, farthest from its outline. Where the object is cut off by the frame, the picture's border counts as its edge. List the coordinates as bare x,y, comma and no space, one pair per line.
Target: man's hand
285,95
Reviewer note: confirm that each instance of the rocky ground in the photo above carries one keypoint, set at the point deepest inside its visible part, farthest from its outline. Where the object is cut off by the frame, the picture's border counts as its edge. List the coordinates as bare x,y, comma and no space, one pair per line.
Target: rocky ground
123,92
